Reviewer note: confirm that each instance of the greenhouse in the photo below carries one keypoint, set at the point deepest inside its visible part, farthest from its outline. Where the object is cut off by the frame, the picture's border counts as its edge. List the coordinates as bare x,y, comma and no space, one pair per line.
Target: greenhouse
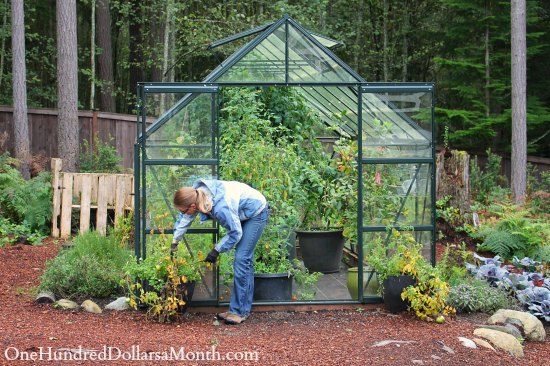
327,148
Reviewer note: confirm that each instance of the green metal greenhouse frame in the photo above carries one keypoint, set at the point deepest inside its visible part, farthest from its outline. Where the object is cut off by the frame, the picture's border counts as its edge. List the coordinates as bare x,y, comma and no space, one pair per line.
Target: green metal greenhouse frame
287,55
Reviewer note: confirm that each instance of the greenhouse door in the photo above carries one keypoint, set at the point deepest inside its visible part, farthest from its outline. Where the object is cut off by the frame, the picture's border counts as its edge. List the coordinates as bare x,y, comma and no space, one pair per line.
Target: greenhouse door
396,166
178,147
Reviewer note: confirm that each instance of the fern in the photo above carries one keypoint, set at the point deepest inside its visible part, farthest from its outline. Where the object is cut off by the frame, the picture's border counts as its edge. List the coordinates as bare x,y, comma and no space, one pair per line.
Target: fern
25,202
504,243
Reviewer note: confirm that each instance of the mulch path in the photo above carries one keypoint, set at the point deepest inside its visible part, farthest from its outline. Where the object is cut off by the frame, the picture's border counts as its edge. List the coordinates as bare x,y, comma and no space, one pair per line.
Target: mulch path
342,337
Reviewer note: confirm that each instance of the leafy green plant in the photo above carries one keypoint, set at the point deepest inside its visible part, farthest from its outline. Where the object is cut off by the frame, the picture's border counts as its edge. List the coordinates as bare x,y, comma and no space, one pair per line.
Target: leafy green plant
475,295
157,281
102,158
451,266
401,254
123,231
11,233
488,182
93,267
17,194
503,243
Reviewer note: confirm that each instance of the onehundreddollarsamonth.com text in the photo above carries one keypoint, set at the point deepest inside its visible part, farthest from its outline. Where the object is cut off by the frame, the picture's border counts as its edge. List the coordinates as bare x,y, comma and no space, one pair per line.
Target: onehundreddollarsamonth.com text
108,353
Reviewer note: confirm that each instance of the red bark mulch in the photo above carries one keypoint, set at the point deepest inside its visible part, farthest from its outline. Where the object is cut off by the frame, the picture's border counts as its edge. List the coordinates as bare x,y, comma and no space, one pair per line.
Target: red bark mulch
342,337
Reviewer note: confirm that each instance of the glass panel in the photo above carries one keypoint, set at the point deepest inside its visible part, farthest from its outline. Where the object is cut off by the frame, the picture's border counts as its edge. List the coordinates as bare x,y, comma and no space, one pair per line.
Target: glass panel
334,107
264,63
379,238
162,182
193,247
397,125
325,41
308,62
397,194
186,130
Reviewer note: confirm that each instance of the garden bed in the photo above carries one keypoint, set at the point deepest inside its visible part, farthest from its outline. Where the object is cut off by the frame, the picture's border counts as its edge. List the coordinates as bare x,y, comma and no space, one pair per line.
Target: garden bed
281,338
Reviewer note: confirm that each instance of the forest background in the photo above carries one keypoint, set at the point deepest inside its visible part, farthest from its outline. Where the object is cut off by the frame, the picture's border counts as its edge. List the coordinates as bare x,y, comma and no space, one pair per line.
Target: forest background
462,46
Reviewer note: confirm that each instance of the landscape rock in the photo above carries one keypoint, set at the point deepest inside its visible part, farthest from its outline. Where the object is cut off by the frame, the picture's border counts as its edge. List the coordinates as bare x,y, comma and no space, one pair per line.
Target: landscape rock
65,304
45,297
119,304
91,307
444,347
483,343
532,326
468,343
510,329
501,340
390,341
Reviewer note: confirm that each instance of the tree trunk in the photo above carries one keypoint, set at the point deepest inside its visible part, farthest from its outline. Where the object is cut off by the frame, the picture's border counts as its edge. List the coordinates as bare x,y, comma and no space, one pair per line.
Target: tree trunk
519,86
136,49
67,84
406,30
92,58
167,53
487,65
385,35
105,59
3,50
20,122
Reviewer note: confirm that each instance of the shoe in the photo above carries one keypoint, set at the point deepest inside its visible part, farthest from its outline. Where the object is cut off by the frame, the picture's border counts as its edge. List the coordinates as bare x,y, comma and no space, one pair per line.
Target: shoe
234,319
222,316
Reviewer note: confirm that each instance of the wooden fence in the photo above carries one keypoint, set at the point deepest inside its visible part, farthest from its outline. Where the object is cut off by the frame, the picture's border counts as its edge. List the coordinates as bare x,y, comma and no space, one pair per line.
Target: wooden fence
82,192
121,128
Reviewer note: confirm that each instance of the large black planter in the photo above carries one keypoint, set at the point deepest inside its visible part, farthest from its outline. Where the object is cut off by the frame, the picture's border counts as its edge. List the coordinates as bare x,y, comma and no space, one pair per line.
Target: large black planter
272,286
321,250
393,287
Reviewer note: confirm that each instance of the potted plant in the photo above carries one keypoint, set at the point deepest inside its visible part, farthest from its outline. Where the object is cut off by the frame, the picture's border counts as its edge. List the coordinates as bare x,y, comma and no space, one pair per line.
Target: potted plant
395,257
331,208
162,283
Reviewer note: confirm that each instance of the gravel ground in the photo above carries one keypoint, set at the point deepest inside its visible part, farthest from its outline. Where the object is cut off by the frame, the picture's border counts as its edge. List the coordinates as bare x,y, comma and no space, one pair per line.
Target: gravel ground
342,337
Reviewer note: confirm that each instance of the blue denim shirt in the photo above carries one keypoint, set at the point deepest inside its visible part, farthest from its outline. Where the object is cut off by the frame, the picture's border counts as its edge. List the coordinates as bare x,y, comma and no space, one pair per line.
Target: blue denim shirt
232,202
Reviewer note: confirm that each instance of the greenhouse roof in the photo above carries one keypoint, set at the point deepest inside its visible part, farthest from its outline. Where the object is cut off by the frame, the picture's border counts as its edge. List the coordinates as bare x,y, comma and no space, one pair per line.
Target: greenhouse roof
284,53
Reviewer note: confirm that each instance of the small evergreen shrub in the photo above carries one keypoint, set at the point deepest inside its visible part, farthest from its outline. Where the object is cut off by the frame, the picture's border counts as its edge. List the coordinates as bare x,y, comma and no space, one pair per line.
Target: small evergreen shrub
93,267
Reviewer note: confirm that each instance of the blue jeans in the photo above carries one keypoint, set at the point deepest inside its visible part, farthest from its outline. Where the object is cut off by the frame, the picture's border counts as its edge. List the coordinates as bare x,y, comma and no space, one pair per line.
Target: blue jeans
243,289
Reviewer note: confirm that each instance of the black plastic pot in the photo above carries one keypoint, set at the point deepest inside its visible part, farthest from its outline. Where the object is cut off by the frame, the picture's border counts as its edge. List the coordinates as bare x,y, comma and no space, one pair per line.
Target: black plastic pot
185,292
321,250
272,286
393,287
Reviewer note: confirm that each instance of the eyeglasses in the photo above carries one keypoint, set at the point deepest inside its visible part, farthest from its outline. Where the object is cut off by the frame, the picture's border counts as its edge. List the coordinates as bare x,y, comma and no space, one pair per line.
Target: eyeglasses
186,210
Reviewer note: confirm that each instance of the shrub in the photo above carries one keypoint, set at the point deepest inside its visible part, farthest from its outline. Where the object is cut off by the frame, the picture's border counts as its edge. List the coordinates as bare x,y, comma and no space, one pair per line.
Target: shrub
102,159
475,295
93,268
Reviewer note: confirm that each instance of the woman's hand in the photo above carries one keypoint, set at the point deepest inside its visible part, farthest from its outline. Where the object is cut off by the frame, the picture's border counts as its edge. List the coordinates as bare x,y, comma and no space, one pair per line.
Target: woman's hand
212,256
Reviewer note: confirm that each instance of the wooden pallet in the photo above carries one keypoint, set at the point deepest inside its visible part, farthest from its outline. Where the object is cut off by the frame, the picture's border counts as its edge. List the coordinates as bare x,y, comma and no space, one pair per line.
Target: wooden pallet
84,191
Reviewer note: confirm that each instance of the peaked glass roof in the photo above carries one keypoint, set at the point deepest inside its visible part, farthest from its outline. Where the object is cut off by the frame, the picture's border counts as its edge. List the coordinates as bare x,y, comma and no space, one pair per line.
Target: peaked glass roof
284,52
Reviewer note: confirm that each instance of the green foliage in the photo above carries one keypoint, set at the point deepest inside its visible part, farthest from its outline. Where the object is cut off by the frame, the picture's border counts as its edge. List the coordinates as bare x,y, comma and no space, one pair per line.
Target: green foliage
400,254
102,158
158,280
11,233
25,202
124,230
475,295
503,243
485,183
451,266
93,267
510,230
